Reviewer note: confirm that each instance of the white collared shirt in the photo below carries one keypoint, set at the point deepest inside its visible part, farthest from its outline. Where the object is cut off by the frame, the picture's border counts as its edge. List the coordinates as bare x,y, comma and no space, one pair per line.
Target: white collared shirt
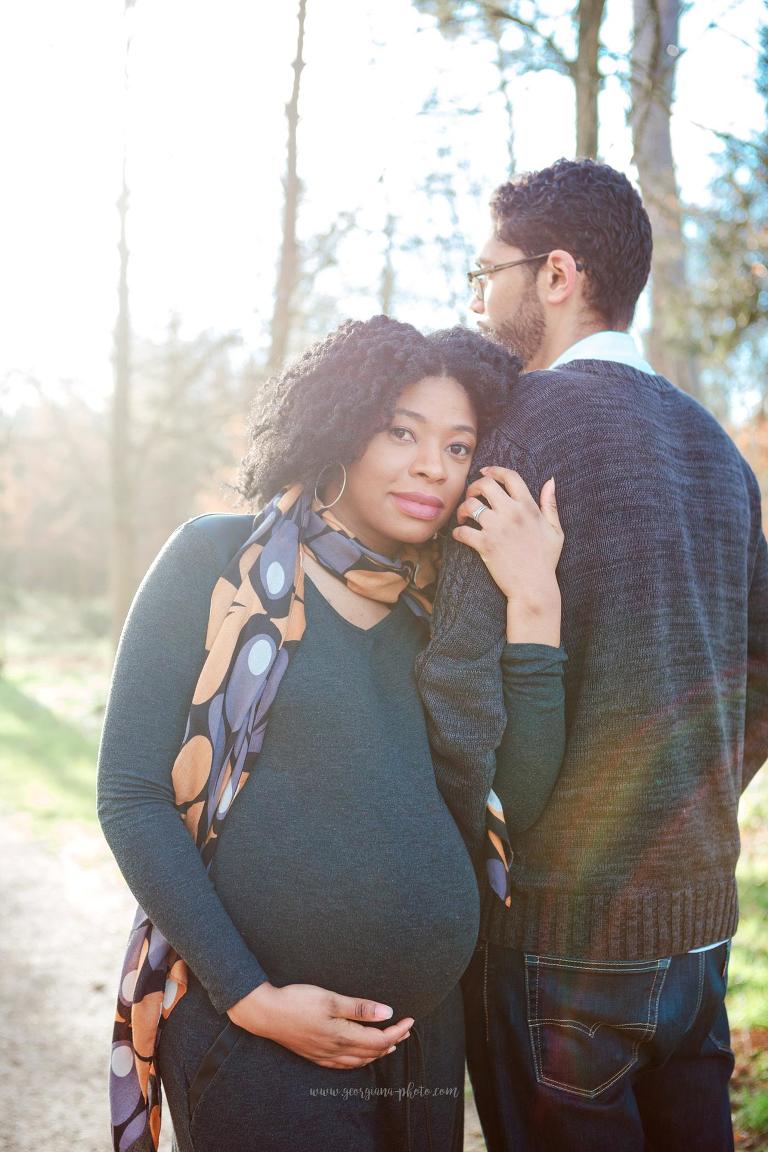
616,346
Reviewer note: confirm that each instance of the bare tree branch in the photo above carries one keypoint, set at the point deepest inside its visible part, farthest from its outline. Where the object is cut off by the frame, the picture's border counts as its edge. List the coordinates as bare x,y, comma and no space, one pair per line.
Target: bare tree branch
560,60
289,259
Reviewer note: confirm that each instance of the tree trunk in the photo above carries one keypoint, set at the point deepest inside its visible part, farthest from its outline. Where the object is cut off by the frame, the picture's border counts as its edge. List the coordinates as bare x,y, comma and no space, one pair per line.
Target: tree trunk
495,29
122,542
586,75
654,54
387,285
288,267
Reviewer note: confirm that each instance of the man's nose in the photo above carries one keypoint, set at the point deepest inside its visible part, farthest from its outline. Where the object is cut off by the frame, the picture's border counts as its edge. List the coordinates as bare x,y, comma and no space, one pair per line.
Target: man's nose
477,305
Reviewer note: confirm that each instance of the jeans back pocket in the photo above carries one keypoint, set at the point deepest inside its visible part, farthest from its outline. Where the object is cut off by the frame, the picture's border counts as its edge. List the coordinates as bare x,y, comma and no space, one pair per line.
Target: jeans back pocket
587,1019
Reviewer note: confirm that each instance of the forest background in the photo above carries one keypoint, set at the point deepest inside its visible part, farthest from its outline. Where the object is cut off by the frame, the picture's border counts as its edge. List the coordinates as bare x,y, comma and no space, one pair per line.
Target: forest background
197,192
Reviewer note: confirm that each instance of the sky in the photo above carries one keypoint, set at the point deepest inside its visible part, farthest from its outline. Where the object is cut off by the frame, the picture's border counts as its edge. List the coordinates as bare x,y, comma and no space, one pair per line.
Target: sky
202,118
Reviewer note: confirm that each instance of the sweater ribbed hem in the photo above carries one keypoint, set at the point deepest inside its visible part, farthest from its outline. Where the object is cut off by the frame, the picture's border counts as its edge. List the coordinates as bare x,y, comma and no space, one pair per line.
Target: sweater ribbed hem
626,925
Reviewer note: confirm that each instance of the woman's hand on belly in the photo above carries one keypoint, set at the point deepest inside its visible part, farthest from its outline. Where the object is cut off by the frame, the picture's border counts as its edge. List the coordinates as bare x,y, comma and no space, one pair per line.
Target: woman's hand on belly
318,1024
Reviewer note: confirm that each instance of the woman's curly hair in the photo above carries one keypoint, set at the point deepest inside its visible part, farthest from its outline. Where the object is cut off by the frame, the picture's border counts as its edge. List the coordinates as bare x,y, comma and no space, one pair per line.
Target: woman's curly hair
327,405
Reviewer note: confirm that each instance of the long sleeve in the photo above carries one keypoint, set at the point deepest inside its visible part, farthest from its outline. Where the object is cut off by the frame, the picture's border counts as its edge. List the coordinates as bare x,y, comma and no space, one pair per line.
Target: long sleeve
158,662
756,718
459,672
531,752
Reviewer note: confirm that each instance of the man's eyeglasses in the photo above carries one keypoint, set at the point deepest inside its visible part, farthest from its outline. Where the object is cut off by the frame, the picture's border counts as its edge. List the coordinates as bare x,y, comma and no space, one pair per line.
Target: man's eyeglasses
477,283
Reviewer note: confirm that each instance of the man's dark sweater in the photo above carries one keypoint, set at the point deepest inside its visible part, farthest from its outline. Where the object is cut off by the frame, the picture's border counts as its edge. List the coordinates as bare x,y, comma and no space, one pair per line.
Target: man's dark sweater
664,578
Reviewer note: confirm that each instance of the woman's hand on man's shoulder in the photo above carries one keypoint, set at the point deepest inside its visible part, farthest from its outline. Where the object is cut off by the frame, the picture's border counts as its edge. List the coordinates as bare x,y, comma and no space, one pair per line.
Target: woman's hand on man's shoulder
520,543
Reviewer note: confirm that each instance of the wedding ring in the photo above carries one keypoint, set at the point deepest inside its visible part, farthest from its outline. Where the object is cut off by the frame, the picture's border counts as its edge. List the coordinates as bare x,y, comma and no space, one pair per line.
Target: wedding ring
479,511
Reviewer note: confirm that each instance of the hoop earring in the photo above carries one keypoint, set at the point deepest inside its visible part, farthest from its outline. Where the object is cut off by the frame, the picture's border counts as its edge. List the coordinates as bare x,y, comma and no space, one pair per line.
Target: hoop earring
325,507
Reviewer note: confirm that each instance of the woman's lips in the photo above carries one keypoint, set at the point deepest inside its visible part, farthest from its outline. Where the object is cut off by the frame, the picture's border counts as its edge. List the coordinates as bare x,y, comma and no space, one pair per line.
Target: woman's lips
420,507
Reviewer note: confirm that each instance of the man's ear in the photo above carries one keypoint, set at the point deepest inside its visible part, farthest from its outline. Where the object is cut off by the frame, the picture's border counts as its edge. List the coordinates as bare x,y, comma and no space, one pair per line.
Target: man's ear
562,273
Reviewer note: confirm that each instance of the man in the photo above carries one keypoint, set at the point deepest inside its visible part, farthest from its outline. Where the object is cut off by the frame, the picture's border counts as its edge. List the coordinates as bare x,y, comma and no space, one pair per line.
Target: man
595,1002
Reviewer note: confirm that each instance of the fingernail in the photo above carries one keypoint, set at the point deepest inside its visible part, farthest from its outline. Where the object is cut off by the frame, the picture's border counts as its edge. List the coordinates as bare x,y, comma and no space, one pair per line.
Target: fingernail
392,1049
382,1012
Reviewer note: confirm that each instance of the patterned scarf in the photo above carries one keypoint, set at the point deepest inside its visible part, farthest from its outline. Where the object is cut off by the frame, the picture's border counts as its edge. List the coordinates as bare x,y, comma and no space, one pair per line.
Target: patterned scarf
256,620
498,850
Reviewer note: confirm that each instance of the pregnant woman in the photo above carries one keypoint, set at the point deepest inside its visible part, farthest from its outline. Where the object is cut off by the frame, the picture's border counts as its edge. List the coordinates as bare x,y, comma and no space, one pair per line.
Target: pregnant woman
307,905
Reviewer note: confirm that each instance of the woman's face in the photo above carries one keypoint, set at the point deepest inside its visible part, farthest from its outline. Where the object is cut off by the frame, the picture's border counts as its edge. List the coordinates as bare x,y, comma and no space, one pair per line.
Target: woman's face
412,475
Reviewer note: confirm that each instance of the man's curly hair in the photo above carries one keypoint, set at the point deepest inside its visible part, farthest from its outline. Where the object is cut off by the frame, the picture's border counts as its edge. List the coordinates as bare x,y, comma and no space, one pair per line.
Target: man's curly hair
326,406
591,211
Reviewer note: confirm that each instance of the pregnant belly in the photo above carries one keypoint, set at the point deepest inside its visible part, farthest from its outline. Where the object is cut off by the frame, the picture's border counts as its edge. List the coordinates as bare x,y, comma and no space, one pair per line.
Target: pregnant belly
389,913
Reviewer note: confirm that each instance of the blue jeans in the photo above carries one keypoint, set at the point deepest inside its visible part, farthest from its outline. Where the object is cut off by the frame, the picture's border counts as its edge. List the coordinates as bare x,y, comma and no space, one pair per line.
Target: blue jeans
566,1055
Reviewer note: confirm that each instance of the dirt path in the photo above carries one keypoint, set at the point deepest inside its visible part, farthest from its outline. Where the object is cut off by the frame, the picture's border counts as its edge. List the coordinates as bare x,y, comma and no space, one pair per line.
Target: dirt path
66,922
67,919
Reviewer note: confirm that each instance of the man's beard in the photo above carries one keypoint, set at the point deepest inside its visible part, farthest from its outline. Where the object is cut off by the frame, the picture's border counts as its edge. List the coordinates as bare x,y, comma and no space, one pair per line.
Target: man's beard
524,334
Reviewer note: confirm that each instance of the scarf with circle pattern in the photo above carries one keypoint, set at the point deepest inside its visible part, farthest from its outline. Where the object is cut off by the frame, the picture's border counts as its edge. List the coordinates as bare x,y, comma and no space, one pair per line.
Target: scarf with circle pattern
256,620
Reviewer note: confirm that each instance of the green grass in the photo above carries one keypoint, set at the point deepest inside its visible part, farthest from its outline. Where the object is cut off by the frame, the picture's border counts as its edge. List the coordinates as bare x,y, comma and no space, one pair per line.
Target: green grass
752,1111
47,765
52,690
748,977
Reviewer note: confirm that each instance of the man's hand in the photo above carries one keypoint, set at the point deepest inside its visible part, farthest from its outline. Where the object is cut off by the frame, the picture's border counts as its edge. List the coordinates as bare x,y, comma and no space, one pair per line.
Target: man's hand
320,1025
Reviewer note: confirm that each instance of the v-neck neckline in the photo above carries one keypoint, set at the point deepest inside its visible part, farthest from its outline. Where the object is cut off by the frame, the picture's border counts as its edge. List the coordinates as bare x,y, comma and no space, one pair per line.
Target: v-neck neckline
374,628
